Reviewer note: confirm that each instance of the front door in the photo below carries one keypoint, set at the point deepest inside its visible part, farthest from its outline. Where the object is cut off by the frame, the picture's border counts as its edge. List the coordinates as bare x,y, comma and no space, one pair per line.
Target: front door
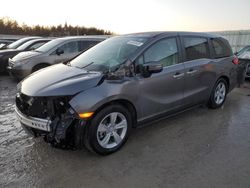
161,92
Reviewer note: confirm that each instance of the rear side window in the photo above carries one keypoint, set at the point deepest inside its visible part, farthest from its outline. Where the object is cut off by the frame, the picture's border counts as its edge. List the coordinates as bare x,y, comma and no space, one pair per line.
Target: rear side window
196,48
84,45
221,49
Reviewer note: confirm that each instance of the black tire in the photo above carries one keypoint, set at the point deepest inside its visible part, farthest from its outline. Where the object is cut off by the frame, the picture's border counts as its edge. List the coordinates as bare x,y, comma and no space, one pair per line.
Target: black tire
91,140
212,100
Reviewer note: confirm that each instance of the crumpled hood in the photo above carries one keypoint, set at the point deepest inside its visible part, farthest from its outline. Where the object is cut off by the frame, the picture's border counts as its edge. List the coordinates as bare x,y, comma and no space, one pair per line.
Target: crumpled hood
59,80
25,55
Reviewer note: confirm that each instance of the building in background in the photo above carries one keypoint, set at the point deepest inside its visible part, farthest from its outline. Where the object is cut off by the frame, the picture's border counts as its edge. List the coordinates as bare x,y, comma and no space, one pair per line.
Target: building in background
237,39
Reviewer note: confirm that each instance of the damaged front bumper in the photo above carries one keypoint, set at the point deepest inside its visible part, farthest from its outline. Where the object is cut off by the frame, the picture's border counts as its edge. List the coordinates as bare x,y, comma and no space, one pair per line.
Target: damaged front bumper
51,118
32,122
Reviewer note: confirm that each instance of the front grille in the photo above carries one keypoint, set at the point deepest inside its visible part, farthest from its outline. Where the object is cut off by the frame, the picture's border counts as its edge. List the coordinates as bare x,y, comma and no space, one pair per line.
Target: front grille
33,106
42,107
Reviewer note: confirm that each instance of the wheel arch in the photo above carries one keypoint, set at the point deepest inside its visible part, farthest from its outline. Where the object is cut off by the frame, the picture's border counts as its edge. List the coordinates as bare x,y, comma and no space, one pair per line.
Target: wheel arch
226,78
126,104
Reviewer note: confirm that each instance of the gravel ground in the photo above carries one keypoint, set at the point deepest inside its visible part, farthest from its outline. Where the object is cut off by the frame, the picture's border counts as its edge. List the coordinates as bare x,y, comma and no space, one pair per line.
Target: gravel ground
198,148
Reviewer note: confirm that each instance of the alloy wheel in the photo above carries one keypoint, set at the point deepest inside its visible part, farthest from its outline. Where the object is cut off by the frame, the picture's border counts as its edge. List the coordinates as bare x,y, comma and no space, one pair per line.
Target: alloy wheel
220,93
112,130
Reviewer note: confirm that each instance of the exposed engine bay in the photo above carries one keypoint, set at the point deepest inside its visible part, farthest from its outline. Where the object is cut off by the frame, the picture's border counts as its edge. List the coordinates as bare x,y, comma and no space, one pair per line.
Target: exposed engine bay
64,121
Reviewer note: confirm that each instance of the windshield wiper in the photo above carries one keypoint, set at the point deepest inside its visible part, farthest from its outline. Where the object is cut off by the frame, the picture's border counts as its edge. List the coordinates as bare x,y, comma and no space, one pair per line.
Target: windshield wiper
87,65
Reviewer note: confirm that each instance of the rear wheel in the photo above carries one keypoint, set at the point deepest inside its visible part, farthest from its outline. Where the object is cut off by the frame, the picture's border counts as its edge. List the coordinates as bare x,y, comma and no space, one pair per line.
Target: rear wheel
219,94
109,130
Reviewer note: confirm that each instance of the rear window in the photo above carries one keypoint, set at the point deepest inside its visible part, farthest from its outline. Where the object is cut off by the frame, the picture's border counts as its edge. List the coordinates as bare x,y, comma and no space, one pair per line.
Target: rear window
221,49
196,48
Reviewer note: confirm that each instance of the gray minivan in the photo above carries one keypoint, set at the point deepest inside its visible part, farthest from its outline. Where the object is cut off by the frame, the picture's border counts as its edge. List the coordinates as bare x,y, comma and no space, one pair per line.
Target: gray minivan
97,98
55,51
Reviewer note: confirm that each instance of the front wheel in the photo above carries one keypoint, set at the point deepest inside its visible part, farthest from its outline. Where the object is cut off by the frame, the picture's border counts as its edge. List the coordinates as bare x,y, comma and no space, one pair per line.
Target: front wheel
109,130
219,94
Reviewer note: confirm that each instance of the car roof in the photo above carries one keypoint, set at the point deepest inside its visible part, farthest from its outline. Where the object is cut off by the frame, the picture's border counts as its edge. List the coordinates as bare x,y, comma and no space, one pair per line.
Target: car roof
166,33
85,37
40,39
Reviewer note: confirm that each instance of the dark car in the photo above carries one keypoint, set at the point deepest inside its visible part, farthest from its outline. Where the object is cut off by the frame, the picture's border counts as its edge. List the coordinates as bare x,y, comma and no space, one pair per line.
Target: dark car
248,69
55,51
97,98
27,46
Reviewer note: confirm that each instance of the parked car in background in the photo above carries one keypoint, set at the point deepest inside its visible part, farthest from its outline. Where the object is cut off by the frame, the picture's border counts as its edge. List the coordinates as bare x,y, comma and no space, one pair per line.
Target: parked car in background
244,58
96,98
55,51
248,70
243,50
27,46
4,43
19,42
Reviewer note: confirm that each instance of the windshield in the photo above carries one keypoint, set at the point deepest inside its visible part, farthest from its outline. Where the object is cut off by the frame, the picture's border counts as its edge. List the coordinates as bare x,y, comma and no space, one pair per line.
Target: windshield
245,49
108,54
25,45
49,45
18,43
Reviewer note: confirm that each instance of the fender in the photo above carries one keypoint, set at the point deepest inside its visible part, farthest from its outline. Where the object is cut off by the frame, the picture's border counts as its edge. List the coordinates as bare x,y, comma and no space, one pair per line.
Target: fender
92,99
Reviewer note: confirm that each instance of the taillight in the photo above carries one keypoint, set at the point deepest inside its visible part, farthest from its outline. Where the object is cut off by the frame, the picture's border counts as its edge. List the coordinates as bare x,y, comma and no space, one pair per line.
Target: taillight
235,60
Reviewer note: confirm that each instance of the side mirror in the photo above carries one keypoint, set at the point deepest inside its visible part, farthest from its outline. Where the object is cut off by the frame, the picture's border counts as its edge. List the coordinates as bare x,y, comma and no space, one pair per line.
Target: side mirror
59,51
152,67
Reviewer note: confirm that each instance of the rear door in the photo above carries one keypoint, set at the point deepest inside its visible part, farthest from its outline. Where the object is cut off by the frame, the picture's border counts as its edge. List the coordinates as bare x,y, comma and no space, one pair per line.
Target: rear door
161,92
223,59
198,72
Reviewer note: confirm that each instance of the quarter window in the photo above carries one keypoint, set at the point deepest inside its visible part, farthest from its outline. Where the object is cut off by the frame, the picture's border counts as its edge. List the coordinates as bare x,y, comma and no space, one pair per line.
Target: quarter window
196,48
164,52
220,49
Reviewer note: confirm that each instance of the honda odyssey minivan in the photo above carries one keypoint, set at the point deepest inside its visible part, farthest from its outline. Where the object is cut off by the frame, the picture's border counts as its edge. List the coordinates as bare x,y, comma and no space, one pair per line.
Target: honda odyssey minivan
97,98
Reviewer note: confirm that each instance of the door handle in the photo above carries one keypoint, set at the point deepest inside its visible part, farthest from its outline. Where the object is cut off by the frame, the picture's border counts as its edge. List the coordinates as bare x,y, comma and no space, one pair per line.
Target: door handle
178,75
191,71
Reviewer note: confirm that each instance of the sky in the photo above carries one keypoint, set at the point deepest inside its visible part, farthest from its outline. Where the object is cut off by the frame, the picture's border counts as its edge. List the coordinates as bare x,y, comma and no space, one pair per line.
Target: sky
128,16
